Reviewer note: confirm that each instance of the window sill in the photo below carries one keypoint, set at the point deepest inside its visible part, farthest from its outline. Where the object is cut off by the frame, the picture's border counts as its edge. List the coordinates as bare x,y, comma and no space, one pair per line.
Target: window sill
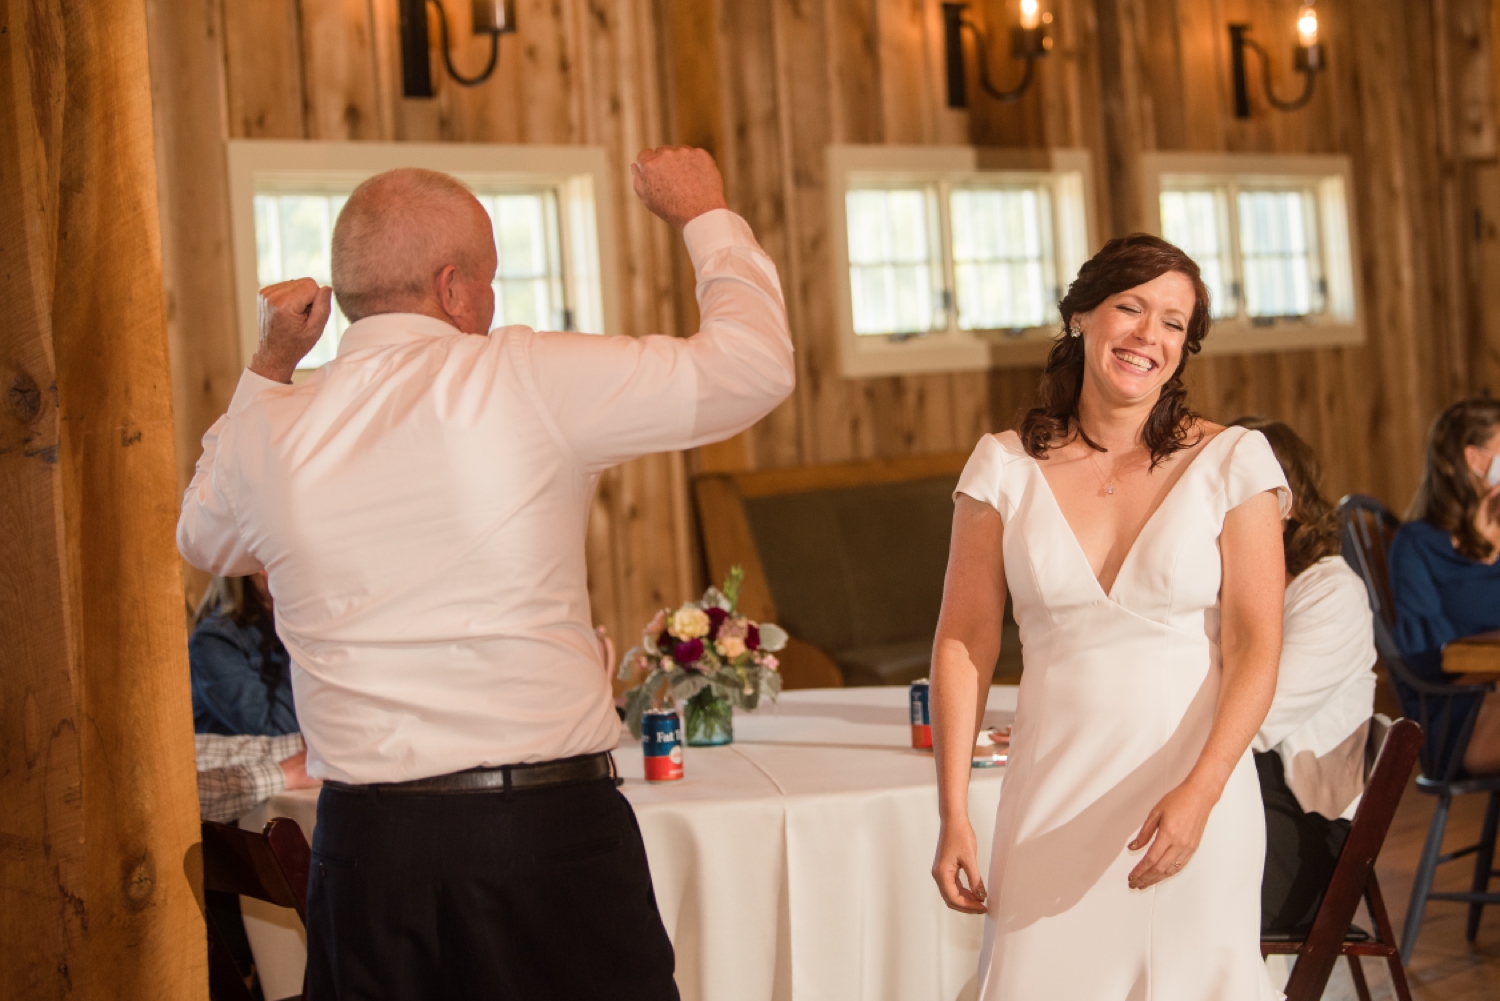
1239,337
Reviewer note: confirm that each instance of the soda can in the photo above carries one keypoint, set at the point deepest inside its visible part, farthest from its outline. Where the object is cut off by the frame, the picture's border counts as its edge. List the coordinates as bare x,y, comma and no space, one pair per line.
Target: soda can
661,740
921,715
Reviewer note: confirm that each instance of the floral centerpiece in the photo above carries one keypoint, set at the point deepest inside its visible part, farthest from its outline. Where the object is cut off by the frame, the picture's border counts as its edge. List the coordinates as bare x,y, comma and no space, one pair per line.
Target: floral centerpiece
708,656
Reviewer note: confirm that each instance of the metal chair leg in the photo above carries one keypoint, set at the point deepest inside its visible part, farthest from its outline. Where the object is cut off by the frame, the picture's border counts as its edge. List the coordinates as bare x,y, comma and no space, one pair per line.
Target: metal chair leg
1422,885
1357,974
1483,862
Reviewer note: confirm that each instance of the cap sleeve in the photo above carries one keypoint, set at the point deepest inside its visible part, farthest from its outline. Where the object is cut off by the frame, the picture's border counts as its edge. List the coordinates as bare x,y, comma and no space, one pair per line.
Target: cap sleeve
983,477
1251,469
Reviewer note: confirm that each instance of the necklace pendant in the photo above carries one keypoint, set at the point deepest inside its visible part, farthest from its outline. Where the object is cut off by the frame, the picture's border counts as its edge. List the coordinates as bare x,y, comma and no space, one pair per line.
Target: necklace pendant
1110,489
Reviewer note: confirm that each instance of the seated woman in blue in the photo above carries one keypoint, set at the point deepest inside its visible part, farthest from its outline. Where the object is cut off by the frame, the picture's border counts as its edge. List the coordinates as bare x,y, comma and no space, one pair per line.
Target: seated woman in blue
1444,577
241,673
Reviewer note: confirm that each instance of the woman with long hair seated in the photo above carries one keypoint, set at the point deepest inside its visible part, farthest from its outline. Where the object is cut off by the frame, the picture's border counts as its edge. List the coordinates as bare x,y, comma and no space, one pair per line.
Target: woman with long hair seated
241,674
1310,751
1445,581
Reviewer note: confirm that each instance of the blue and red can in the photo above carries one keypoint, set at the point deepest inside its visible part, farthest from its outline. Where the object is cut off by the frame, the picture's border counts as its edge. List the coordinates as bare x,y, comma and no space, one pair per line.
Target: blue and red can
921,715
661,740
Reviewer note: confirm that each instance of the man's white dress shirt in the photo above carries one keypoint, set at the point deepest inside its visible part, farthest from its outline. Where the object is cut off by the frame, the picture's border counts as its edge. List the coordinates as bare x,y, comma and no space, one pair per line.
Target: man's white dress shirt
420,505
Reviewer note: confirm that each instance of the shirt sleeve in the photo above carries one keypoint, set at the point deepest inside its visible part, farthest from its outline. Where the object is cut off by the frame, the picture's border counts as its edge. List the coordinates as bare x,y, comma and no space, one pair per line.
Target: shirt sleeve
983,477
1422,627
1252,469
236,774
614,398
208,534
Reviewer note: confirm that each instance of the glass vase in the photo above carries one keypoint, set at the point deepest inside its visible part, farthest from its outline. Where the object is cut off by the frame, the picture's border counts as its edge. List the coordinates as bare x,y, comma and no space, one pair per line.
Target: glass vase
708,720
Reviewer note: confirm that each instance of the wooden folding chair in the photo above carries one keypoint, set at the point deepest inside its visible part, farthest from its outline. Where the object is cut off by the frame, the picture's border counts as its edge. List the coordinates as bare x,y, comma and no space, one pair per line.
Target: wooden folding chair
1333,933
271,866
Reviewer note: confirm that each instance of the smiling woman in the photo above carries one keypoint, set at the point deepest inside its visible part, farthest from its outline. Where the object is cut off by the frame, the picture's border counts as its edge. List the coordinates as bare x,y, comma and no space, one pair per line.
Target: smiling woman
1129,269
1138,545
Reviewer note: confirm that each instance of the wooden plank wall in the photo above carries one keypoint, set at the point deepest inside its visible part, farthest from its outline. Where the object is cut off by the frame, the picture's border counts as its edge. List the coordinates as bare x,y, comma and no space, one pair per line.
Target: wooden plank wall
1126,76
98,834
768,84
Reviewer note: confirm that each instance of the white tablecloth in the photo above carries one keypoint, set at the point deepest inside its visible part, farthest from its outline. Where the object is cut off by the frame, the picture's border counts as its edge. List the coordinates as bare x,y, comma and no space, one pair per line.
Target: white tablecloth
791,864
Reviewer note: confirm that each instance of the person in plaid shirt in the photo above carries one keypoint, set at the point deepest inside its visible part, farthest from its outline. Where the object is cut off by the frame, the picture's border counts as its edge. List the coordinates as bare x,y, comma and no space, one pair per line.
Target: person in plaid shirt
236,774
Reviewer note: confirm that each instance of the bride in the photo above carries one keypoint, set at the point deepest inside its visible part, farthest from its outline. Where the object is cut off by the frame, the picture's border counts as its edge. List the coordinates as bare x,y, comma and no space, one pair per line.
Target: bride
1141,546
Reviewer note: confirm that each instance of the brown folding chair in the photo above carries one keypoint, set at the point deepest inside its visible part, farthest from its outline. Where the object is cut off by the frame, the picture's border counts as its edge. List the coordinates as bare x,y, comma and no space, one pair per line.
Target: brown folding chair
1333,933
270,866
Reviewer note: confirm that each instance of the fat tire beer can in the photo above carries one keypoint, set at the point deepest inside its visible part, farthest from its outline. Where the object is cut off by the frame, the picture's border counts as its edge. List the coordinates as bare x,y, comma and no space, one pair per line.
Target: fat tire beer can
661,740
921,715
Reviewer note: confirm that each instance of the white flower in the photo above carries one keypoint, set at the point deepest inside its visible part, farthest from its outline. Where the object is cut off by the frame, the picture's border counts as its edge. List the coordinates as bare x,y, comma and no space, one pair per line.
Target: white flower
688,623
772,637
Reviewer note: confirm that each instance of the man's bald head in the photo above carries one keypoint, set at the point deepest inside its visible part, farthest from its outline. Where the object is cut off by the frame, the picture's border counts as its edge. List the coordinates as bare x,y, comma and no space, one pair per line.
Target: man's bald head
395,237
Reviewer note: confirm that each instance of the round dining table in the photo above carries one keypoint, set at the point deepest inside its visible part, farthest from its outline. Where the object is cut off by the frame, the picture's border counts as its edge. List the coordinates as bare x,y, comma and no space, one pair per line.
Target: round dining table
791,863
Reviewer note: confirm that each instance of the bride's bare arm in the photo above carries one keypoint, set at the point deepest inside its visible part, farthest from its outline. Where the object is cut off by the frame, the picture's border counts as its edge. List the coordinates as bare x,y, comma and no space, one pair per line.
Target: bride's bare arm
1254,586
963,663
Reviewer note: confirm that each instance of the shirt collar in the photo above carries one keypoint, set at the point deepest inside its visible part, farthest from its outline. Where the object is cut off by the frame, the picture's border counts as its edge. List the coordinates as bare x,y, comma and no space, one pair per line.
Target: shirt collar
385,329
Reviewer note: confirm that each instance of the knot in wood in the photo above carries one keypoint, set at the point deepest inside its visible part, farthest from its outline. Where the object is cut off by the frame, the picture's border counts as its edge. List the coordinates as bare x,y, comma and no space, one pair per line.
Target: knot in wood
25,398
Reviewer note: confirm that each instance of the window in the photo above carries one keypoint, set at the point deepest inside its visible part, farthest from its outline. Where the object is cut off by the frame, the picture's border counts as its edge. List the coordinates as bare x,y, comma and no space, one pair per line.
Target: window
546,222
1273,237
954,258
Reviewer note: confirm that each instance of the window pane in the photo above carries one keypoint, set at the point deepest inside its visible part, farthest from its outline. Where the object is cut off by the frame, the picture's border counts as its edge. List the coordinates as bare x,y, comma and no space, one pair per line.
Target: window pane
1278,246
1194,221
294,239
890,257
1002,257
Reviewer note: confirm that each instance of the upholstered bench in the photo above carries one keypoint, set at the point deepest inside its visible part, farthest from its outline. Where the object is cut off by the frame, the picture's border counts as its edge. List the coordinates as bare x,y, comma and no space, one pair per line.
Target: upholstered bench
849,558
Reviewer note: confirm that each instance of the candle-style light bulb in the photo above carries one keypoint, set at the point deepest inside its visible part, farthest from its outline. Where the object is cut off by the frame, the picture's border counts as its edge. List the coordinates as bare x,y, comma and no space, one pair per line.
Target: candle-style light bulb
1307,28
1031,14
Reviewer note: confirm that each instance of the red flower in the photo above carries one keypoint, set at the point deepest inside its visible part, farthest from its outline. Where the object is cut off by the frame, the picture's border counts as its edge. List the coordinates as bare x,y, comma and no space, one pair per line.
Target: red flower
752,637
716,617
688,652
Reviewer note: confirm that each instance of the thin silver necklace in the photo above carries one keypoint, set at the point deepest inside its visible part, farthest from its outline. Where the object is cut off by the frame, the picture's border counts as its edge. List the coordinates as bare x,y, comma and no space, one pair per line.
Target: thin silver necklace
1107,483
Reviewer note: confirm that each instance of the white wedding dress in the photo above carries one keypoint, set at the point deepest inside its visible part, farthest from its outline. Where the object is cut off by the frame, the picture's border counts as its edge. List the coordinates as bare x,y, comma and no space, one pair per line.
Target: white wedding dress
1115,704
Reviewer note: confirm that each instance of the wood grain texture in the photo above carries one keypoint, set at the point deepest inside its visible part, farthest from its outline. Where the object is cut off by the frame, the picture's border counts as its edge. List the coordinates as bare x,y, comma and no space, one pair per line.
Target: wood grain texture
98,778
188,99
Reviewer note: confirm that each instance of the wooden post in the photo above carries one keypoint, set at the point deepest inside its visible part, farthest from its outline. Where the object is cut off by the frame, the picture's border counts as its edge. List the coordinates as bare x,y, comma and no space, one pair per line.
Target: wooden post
98,833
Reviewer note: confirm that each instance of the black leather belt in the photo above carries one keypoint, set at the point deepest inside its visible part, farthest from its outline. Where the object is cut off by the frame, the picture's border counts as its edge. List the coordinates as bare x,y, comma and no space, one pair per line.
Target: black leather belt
563,771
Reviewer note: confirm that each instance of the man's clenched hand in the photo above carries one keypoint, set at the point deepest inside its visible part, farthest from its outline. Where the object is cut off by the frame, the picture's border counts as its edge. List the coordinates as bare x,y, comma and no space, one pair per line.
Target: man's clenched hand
292,316
678,183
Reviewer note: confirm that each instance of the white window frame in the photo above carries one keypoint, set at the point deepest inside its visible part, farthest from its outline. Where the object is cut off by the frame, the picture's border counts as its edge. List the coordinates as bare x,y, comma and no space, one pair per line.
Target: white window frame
581,176
1332,176
1067,172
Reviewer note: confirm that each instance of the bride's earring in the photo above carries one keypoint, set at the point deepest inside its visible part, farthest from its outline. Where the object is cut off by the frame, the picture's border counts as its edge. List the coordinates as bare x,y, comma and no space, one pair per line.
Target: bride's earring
1075,332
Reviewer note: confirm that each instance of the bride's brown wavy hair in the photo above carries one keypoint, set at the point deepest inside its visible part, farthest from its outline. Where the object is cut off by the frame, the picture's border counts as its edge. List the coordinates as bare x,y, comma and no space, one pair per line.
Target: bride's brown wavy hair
1124,263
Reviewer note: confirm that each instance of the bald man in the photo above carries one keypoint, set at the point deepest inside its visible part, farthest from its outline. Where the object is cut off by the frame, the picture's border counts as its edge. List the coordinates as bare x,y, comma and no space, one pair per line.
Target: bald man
419,504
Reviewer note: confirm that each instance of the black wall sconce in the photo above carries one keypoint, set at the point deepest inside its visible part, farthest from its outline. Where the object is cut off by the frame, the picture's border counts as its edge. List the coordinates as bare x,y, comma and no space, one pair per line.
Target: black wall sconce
491,17
1029,41
1307,57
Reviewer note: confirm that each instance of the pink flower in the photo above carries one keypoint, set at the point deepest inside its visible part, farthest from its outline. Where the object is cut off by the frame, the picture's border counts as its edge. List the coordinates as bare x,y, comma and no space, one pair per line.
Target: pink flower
769,661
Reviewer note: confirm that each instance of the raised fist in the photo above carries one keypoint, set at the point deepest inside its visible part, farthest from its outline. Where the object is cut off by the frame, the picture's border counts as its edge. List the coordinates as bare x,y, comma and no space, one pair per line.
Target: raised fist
292,316
678,183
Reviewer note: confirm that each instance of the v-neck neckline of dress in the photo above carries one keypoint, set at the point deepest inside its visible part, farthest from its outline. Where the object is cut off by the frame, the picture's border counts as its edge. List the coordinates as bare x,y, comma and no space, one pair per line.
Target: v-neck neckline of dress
1145,526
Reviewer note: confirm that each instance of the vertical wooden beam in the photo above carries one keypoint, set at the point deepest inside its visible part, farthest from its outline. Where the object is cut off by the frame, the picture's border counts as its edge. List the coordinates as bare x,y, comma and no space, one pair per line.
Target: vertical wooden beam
187,87
96,757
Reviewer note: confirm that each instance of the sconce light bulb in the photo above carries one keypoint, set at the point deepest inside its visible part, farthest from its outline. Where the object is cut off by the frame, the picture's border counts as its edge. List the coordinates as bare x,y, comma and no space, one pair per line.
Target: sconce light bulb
1031,14
1307,28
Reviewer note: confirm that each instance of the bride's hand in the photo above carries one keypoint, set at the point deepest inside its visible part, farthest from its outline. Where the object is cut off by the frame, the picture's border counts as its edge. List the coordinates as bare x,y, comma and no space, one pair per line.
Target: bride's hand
1173,828
956,853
